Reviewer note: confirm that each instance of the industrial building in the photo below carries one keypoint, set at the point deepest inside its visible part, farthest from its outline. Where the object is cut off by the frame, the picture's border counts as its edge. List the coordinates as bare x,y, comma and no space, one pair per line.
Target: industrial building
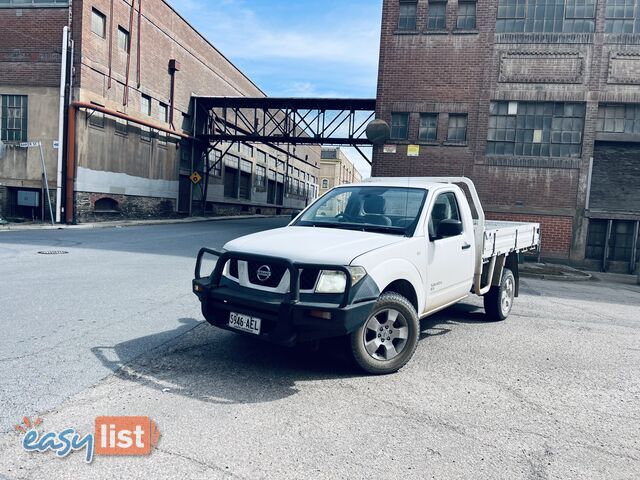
128,144
336,169
537,101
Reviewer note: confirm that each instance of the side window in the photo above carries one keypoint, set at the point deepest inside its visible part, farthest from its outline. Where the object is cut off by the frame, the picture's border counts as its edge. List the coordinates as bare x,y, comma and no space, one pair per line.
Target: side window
445,208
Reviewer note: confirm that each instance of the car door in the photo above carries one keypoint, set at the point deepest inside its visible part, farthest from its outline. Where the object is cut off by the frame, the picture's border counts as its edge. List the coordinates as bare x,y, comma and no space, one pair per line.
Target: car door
449,260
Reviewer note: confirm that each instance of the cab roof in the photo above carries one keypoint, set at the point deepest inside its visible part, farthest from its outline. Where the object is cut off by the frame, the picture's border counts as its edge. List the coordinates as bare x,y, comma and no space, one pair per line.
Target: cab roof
428,183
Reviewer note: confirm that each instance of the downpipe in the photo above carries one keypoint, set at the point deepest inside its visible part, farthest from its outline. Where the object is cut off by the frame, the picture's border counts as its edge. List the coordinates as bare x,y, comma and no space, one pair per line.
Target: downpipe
63,84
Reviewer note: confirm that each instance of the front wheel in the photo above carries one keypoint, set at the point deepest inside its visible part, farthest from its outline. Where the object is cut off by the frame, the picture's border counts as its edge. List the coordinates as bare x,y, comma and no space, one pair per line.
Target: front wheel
389,337
499,301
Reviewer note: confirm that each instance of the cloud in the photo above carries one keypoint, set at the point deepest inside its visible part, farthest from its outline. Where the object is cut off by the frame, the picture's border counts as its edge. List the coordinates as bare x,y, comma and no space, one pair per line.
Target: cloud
275,32
272,31
306,48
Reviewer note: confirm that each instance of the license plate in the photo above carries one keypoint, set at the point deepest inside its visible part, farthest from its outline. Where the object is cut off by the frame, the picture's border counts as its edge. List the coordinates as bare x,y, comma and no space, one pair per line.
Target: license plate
245,323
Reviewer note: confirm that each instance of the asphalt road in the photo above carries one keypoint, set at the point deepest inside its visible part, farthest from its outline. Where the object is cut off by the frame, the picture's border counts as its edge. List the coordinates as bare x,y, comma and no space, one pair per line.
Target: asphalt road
551,393
62,315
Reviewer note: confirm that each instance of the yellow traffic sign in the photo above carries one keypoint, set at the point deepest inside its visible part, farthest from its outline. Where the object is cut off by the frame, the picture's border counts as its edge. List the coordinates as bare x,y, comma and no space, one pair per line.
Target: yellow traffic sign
196,177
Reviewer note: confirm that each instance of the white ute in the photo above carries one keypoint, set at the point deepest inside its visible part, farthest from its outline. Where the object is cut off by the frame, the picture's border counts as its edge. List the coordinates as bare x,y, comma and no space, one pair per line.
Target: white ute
368,261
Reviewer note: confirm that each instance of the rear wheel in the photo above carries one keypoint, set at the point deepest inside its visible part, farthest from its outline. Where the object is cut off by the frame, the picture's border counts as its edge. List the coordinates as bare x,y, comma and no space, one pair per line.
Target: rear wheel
389,337
499,301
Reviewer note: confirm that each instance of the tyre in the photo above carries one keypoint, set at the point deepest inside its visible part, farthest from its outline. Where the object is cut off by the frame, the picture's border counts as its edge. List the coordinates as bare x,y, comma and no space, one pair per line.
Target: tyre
499,301
389,337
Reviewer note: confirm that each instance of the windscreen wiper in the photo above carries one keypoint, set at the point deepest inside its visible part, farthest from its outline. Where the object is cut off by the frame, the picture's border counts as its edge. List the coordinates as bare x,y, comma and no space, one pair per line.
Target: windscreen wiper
382,228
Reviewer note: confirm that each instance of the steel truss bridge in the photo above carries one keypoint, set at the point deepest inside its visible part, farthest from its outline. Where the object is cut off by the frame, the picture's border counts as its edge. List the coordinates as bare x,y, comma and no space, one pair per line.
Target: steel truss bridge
278,123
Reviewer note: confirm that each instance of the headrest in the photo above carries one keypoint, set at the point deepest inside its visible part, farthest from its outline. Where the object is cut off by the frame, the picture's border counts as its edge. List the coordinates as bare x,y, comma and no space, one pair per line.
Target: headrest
374,205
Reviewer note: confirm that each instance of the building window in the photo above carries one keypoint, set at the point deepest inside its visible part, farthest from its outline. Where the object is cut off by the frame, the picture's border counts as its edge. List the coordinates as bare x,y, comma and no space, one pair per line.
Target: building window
511,15
621,240
231,179
596,238
579,16
145,109
122,126
538,129
261,178
13,123
546,16
262,157
163,112
437,16
246,169
457,128
186,122
33,3
163,116
618,119
123,39
399,126
185,156
428,127
620,17
325,183
281,165
98,23
145,105
215,162
466,16
96,119
245,150
408,15
329,153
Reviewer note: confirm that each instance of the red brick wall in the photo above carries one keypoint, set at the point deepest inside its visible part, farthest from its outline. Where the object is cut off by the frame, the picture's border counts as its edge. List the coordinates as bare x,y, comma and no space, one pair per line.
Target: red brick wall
556,232
164,36
528,188
460,72
31,45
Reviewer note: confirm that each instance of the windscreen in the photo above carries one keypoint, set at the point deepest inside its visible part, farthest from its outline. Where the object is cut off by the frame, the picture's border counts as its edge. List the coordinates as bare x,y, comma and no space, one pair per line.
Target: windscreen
394,210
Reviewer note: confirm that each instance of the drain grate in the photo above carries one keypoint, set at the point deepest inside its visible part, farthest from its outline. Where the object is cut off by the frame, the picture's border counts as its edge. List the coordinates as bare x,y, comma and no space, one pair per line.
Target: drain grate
53,252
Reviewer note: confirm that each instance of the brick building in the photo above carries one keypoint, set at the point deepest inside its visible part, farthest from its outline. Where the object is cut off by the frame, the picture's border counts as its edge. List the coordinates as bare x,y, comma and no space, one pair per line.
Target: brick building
538,101
139,63
336,169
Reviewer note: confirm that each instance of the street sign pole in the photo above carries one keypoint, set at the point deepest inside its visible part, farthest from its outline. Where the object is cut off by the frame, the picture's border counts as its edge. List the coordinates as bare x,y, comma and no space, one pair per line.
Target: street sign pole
46,184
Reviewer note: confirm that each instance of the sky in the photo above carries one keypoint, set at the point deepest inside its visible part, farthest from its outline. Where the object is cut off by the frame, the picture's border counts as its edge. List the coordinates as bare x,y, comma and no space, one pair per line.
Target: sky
297,48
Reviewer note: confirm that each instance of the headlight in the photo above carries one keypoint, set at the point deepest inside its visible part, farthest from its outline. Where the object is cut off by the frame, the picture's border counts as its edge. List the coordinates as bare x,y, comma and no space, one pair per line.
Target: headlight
332,281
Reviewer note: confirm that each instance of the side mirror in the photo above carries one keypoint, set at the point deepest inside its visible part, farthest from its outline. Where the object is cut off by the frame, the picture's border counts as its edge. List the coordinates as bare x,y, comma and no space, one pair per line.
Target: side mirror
295,214
449,228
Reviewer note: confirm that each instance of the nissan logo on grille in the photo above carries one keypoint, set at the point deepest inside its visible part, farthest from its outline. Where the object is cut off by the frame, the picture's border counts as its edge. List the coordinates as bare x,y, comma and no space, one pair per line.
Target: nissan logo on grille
264,273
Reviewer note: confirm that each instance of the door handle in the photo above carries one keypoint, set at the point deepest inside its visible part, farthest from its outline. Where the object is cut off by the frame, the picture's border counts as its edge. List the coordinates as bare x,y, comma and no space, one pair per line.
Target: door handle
466,246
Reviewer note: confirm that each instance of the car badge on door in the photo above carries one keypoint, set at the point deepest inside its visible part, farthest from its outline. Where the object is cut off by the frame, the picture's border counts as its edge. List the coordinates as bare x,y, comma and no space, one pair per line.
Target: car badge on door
264,273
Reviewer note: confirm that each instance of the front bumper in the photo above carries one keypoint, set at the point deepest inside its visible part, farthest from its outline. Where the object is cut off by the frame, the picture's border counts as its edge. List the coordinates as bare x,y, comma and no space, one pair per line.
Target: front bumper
287,319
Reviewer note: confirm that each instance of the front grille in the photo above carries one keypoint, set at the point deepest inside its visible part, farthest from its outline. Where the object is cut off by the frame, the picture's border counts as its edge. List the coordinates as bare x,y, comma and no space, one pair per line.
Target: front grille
257,271
308,278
